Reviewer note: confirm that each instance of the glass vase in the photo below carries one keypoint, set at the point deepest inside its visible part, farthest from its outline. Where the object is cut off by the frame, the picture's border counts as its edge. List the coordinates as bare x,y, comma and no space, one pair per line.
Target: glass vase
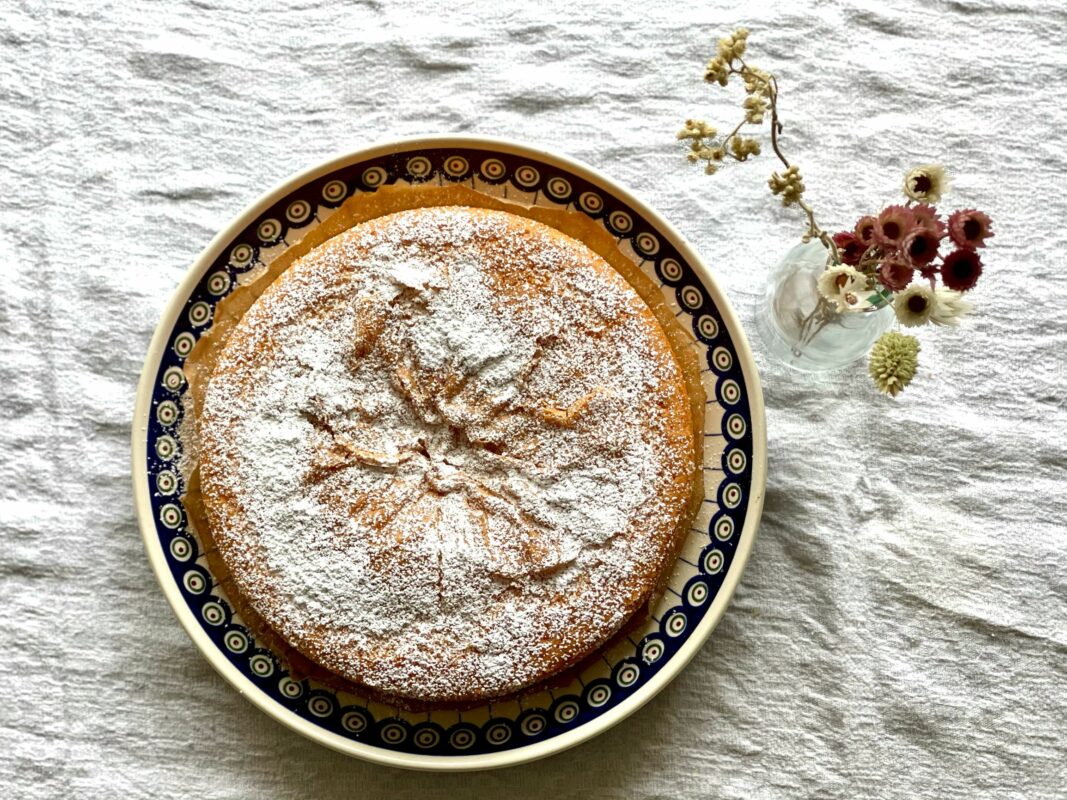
802,329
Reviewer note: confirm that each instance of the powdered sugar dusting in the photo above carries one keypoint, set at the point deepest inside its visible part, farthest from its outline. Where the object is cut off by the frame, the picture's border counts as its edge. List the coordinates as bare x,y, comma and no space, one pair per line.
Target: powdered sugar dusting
446,453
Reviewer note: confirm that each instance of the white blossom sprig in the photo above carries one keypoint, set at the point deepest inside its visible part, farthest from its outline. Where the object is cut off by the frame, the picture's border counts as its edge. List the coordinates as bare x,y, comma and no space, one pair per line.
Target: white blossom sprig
761,99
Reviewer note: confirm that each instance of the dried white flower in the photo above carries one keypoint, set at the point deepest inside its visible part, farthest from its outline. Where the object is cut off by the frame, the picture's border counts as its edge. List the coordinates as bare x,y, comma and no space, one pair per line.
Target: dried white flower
914,305
948,307
926,183
842,286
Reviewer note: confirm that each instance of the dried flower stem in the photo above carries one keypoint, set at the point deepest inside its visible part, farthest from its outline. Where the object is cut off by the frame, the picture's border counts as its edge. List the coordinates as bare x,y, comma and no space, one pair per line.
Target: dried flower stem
824,314
814,231
761,89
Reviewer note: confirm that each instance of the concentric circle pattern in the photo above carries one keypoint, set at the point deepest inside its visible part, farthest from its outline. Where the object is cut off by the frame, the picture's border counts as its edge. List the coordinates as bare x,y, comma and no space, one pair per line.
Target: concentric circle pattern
717,534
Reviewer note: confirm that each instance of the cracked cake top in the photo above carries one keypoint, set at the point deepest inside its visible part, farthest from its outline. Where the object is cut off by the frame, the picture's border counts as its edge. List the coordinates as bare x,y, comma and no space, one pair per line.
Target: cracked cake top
446,454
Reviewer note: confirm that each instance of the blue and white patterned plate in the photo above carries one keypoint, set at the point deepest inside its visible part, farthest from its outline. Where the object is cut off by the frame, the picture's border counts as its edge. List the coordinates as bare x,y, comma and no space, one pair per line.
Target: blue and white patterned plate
629,673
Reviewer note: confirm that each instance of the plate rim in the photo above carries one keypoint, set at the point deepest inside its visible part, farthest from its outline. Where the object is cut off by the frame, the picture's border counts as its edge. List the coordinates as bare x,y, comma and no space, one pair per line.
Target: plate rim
243,684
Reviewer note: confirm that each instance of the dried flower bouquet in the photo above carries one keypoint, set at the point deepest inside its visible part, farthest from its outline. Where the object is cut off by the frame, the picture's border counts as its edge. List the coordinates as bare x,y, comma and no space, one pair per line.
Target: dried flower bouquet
907,255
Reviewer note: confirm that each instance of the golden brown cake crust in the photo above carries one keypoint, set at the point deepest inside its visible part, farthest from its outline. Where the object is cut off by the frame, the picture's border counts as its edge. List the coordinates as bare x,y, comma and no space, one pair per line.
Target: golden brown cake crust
445,455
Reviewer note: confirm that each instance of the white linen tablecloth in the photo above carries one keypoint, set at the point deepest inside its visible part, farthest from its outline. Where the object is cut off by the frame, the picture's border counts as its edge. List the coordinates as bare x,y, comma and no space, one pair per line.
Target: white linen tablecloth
901,630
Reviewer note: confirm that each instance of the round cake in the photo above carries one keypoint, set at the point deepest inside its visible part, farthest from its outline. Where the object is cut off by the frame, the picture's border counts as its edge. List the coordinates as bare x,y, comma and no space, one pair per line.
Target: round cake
447,454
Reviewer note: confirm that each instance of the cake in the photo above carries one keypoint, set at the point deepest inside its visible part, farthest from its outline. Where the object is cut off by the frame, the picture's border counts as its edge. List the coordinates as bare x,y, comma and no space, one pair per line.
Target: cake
447,454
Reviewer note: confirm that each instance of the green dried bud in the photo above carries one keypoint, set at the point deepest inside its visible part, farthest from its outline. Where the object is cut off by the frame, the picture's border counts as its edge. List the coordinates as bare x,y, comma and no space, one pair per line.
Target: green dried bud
894,361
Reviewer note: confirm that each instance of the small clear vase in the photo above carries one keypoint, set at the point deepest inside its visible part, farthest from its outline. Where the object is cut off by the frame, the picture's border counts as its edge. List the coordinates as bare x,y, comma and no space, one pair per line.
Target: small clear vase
802,329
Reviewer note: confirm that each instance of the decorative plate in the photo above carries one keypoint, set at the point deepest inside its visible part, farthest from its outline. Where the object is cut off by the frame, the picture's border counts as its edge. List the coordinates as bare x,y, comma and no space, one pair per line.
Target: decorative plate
628,674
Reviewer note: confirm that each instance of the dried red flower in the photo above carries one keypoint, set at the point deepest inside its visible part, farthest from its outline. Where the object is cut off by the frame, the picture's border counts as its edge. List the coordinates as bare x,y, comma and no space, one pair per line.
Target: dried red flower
926,216
961,269
864,230
920,247
969,228
893,226
895,275
849,247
